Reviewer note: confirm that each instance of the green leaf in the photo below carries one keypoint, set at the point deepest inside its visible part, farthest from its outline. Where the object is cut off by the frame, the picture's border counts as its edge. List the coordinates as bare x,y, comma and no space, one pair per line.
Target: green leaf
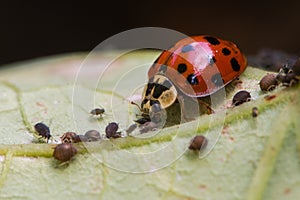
253,158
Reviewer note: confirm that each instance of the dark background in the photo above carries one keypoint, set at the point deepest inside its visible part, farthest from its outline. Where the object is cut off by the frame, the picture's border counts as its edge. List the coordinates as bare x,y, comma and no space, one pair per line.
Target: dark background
30,30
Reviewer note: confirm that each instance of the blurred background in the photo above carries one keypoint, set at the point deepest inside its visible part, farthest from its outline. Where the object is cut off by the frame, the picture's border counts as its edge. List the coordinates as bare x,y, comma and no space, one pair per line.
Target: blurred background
31,30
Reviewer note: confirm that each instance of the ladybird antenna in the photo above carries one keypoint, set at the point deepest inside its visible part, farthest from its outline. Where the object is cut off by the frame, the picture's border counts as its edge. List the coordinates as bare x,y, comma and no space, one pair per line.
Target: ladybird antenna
133,103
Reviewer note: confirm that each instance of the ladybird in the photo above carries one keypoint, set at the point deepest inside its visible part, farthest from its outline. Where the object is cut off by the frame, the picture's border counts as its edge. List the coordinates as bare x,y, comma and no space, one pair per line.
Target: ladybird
43,130
196,66
64,152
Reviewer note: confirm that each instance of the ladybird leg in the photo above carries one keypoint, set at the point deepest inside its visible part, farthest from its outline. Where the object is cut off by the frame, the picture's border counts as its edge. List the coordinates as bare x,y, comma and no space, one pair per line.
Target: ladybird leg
186,115
209,110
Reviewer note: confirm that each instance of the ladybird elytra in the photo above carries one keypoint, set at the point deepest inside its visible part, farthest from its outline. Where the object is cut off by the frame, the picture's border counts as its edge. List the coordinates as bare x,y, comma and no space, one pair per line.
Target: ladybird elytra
196,66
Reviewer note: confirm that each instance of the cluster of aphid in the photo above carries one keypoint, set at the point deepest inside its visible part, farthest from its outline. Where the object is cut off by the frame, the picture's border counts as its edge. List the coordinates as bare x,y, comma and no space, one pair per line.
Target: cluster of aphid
285,77
65,150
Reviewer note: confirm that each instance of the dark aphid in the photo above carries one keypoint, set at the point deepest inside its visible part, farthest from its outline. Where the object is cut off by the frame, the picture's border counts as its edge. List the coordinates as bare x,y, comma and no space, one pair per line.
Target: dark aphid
288,79
131,128
64,152
43,130
69,137
198,142
148,126
269,82
111,130
254,112
98,112
92,135
241,97
80,138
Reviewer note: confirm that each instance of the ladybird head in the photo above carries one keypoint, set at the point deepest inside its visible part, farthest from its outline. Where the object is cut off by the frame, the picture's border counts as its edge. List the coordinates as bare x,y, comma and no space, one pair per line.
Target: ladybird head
159,90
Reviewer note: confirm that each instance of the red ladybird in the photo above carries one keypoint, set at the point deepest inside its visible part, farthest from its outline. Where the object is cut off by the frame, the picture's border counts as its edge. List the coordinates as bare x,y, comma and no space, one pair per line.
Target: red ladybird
196,66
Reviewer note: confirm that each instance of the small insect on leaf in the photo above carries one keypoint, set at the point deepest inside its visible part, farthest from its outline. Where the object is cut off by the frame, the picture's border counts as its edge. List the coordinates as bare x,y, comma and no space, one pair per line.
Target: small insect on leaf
111,130
241,97
92,135
254,112
98,112
69,137
198,142
268,83
64,152
43,130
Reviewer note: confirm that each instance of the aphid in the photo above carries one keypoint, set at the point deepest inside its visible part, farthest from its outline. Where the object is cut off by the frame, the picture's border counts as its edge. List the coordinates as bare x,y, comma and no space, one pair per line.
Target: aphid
269,82
198,142
97,112
69,137
43,130
131,128
241,97
288,79
148,126
111,130
64,152
254,112
92,135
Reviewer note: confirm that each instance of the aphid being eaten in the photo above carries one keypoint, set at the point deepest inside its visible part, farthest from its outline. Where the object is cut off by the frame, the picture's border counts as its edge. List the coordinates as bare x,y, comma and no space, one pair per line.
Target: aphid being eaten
43,130
64,152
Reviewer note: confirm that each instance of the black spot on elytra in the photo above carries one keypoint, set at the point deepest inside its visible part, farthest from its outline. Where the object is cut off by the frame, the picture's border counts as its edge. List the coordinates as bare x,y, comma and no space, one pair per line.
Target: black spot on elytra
226,51
235,65
217,79
212,40
158,90
181,68
149,88
187,48
192,79
163,68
